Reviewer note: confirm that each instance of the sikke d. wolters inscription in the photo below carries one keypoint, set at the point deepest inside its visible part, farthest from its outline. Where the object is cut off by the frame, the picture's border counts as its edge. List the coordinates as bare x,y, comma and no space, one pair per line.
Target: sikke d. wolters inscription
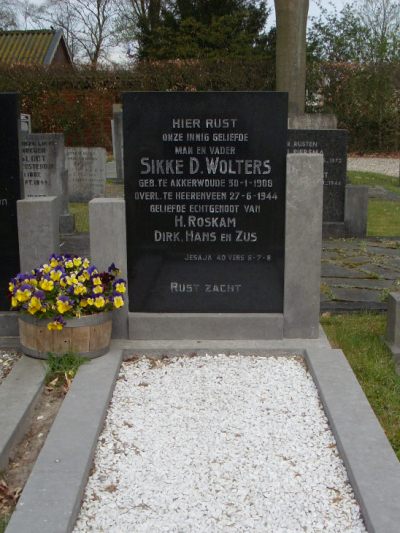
9,193
205,201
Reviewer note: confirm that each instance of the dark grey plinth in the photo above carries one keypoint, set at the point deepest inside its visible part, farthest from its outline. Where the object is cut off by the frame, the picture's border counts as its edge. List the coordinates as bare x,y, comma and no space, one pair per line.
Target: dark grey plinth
356,210
38,232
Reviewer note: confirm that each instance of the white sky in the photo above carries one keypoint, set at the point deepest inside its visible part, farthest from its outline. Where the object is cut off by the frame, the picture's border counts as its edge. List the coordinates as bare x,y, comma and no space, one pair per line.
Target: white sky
313,11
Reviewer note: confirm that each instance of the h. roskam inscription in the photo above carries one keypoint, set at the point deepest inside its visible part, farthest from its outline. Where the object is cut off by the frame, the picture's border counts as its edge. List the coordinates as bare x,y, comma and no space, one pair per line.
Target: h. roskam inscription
205,196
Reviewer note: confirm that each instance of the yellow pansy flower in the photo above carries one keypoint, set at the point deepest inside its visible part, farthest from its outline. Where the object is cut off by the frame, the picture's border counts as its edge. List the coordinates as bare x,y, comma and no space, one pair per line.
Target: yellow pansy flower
63,306
99,302
77,261
34,305
23,295
118,302
80,289
98,289
120,287
47,284
55,275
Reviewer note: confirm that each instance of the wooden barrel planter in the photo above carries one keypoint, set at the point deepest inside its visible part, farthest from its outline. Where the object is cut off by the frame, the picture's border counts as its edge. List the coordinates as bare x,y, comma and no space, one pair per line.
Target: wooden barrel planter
88,336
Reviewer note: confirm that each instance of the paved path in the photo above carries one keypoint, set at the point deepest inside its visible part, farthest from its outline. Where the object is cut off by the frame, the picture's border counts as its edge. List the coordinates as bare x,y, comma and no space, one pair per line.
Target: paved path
359,274
381,165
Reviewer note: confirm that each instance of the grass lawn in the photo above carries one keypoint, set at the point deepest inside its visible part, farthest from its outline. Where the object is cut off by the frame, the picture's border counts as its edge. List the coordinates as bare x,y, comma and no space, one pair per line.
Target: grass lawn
81,212
359,336
383,215
3,523
372,179
383,218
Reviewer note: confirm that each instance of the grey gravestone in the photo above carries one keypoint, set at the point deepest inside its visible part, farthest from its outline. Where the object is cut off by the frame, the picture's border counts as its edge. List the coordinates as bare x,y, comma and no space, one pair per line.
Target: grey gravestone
118,142
205,201
9,192
333,145
86,173
44,174
43,166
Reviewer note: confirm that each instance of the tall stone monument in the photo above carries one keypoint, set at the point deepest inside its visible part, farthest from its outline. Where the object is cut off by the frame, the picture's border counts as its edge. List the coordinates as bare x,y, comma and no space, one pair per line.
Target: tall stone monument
291,25
221,238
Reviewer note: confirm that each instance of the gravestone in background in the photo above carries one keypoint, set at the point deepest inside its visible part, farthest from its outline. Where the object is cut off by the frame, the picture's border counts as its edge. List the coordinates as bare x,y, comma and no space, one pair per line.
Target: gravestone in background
43,165
118,142
9,192
205,201
86,173
333,145
26,123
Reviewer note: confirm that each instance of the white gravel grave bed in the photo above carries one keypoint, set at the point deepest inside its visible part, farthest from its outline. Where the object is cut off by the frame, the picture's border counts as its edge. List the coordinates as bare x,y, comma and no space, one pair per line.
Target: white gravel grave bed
7,360
217,443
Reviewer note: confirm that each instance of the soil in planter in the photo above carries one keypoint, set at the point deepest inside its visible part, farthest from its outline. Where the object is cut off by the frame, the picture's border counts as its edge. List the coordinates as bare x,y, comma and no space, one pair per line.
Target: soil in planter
13,479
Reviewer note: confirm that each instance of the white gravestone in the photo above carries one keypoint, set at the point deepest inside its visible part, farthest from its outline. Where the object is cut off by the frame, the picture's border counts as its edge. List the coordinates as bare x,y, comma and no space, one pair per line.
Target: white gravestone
86,173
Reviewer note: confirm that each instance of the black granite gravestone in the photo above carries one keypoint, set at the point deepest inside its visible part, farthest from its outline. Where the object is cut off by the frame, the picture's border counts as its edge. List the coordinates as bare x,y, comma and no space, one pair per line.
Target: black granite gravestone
205,201
9,192
333,145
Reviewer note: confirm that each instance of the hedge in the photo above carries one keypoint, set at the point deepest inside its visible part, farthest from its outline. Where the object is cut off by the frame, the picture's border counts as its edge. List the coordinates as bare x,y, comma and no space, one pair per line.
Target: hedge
79,101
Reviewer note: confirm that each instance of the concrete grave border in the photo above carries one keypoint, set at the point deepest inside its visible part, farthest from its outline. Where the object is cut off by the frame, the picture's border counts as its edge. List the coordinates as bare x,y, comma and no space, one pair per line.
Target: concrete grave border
19,393
51,499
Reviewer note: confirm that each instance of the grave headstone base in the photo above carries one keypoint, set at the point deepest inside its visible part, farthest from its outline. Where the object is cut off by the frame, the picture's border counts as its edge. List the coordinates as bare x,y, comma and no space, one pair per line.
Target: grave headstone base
393,328
67,223
8,324
333,230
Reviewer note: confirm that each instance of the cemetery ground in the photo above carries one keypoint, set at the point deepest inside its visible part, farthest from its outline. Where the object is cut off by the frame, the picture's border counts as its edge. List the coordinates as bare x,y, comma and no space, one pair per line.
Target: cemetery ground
359,335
